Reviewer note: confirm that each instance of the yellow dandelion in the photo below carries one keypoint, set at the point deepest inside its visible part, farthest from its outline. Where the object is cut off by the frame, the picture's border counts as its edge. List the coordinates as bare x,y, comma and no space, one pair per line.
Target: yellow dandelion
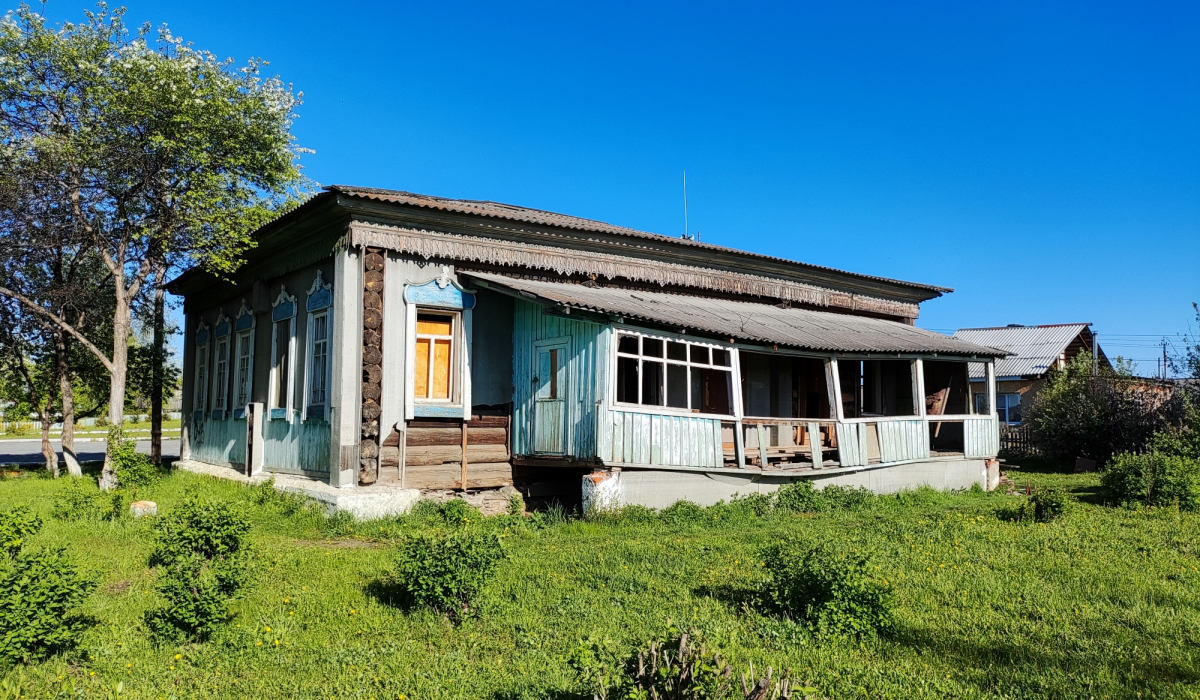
268,629
178,657
258,644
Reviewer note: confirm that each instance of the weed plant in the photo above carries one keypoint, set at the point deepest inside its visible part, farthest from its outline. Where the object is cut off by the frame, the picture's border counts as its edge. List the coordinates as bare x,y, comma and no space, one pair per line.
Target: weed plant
833,588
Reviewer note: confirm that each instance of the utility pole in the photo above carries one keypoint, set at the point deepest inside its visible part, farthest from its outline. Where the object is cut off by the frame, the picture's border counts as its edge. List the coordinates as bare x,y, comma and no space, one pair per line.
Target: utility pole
1095,354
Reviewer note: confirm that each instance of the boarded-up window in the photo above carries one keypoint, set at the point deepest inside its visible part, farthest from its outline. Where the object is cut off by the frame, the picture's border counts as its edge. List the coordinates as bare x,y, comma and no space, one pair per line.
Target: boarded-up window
432,375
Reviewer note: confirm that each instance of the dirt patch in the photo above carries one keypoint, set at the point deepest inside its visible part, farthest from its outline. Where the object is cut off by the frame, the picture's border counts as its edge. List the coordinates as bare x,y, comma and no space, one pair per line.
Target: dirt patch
117,587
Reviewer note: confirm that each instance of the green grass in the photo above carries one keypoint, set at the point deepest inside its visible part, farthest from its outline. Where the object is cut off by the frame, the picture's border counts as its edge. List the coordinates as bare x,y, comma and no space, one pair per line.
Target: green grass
170,427
1105,603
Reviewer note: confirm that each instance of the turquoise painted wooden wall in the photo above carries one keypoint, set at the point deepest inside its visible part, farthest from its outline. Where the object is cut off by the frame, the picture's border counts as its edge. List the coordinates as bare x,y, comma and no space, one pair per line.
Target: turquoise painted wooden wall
220,442
662,440
295,447
586,375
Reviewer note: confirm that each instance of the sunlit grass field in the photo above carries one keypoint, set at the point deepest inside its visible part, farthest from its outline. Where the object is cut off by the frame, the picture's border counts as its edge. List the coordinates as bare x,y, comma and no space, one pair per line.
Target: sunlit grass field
1104,603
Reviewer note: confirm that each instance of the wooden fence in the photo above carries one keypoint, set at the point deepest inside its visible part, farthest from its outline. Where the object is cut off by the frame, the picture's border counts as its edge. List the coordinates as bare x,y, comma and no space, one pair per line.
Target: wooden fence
1017,439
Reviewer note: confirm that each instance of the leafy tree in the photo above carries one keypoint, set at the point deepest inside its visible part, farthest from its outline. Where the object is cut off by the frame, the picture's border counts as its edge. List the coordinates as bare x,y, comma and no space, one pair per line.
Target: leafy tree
157,154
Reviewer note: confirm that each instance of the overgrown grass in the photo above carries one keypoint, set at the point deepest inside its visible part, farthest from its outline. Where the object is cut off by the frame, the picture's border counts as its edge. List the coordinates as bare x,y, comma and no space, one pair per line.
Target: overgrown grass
1104,602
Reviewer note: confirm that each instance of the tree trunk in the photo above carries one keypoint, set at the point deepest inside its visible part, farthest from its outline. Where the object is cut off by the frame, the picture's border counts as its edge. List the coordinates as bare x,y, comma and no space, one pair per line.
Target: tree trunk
67,397
156,392
48,449
116,390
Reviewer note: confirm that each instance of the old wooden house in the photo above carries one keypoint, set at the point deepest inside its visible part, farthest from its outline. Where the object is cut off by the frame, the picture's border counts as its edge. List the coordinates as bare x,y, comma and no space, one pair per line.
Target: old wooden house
379,339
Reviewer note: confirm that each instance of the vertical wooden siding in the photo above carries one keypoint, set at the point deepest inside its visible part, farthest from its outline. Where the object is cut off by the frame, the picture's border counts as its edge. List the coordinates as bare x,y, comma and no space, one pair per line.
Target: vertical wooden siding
667,440
300,446
852,444
220,442
981,437
903,440
586,374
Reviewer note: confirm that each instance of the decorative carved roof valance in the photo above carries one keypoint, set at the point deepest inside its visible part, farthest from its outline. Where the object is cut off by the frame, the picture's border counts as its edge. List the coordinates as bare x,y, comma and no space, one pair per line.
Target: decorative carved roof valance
572,261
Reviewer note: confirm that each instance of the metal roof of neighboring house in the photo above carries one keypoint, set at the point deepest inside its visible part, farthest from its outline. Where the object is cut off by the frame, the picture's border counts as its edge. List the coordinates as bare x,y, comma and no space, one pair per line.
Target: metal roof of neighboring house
1034,349
546,218
796,328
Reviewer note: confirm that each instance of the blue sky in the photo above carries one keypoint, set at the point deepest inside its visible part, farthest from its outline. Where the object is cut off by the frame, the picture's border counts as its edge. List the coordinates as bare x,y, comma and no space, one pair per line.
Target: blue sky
1042,159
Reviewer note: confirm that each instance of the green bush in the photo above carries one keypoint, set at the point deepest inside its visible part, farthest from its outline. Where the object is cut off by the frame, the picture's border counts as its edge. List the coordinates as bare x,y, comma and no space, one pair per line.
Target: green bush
1046,505
799,497
196,593
846,497
446,572
458,512
208,529
683,513
754,504
833,590
1153,479
81,500
16,525
202,552
134,470
40,596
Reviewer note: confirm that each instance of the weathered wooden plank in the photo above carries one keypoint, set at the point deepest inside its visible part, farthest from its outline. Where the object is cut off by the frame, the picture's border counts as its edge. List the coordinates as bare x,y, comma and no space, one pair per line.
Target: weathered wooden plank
453,436
628,438
441,454
641,440
448,476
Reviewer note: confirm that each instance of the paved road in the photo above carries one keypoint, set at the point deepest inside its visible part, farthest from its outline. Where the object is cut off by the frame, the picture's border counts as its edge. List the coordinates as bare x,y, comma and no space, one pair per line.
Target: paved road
30,451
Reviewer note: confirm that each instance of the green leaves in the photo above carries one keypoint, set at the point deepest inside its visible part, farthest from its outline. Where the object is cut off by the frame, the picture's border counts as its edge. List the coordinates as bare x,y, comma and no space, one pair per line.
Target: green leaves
445,572
16,525
833,589
202,553
40,593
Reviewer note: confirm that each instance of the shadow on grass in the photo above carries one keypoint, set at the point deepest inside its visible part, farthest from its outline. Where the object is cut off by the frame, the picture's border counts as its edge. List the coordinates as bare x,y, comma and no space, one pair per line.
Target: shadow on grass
1032,464
389,593
1023,669
736,597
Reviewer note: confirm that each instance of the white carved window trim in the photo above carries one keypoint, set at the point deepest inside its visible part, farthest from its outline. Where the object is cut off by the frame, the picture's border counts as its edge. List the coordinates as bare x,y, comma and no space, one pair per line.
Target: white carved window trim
221,368
285,411
200,400
240,372
318,306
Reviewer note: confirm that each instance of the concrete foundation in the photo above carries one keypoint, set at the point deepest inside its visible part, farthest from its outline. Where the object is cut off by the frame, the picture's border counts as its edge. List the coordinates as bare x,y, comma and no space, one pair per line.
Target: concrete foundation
367,503
661,488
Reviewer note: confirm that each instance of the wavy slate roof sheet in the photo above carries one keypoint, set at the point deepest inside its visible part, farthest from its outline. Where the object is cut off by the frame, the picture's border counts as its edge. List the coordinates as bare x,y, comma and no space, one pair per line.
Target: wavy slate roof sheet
798,328
547,218
1033,349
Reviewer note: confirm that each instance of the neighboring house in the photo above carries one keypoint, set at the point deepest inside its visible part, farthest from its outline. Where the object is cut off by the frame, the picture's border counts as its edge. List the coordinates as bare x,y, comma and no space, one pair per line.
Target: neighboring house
1033,352
380,339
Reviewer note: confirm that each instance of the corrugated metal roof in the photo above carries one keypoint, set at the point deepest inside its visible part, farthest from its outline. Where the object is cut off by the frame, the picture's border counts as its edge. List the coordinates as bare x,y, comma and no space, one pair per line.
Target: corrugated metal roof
547,218
764,323
1033,349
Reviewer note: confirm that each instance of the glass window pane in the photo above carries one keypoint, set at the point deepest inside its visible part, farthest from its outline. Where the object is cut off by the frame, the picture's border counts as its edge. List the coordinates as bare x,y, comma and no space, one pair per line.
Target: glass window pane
700,354
627,344
677,389
652,347
720,358
627,379
697,389
677,351
283,336
434,324
441,369
652,383
421,371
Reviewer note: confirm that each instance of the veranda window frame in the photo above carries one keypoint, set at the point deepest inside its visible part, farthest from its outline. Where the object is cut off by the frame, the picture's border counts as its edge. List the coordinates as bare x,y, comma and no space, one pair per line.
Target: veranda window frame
735,408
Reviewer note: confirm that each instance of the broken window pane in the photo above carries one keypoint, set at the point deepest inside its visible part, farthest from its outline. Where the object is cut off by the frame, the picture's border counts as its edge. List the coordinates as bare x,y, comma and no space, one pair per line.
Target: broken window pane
876,387
652,347
677,386
628,344
720,357
782,386
699,354
627,379
677,351
652,383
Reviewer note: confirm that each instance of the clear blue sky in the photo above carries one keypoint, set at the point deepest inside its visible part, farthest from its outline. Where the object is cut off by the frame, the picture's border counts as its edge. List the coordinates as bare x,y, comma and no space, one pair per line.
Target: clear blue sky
1042,159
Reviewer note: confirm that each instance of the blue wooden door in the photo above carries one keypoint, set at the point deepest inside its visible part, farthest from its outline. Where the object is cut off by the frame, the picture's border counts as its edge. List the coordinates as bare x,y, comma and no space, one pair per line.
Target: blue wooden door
550,405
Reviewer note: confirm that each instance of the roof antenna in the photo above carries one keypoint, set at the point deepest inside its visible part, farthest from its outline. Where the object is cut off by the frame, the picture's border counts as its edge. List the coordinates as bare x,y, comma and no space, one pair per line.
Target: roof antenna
685,221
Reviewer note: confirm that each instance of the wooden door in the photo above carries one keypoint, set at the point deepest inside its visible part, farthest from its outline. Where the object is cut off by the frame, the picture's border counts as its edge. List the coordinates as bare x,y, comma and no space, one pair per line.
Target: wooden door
550,405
